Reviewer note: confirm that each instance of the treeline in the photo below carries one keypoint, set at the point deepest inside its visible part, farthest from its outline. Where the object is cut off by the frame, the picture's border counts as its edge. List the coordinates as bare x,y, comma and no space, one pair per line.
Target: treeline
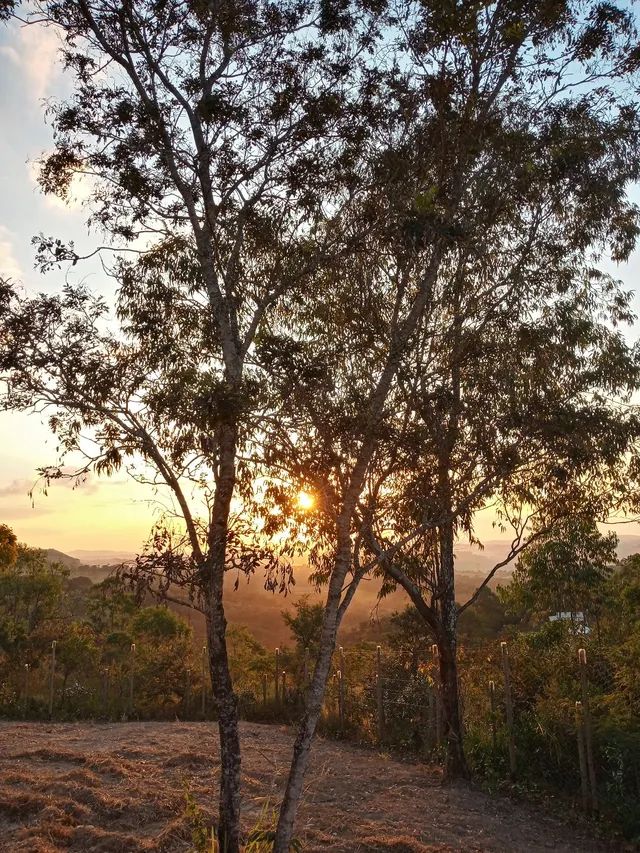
118,658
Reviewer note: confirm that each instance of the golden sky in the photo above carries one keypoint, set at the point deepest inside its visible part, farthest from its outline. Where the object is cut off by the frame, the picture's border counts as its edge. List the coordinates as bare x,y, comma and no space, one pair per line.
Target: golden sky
111,514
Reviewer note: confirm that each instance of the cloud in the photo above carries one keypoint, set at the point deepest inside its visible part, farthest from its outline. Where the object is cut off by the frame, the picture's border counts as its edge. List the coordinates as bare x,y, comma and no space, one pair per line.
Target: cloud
9,264
16,487
38,47
11,53
22,487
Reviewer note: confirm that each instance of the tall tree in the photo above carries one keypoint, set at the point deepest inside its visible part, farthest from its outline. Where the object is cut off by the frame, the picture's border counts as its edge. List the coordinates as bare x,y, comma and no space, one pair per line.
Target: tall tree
214,138
481,321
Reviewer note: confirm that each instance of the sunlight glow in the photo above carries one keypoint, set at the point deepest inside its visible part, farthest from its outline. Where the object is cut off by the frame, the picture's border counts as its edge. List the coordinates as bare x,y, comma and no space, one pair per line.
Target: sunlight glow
305,501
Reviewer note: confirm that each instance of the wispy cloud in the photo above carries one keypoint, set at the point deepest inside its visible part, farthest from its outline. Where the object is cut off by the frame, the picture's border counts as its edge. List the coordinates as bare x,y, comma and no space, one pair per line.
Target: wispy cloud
37,47
22,487
15,487
9,264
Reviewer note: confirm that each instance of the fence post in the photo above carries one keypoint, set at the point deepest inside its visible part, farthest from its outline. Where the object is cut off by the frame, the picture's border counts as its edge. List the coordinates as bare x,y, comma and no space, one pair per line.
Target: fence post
277,676
203,691
52,673
340,698
508,701
132,659
187,695
379,705
432,717
264,690
283,691
584,781
435,651
105,692
343,686
586,716
492,700
26,688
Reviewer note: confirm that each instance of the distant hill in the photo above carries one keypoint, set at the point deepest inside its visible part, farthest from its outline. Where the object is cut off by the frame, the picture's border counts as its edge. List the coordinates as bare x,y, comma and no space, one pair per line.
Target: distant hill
102,558
54,556
77,569
261,611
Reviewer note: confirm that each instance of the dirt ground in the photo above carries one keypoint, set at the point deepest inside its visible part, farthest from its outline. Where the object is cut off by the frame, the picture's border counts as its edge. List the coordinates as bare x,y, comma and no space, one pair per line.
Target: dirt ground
121,787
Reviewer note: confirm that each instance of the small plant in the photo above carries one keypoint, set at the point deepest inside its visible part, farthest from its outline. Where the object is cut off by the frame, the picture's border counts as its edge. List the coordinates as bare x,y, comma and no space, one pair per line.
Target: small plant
202,836
262,836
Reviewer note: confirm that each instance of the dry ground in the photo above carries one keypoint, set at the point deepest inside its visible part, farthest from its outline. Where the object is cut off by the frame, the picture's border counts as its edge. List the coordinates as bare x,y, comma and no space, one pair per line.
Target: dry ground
120,787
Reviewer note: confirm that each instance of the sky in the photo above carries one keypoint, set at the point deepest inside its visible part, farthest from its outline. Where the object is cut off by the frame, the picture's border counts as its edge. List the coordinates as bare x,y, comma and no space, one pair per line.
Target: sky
104,514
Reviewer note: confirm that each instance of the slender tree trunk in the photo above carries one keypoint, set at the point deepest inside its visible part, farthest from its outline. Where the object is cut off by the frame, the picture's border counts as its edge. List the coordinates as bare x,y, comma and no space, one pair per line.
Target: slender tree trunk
221,683
456,764
313,704
227,713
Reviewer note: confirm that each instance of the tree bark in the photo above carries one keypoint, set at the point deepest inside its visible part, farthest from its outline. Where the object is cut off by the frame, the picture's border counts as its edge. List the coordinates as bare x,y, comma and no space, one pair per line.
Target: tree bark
455,764
222,686
314,699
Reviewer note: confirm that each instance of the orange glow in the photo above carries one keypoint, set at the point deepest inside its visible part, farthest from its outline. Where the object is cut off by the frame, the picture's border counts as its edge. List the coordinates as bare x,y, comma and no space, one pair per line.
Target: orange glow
306,501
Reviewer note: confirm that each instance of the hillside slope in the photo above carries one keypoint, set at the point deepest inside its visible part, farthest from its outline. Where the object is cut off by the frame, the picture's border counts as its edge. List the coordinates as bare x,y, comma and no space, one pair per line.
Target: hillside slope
120,787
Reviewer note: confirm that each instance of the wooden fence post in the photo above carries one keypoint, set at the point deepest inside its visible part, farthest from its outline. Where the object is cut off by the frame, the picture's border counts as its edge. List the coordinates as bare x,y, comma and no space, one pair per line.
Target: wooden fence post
283,690
492,700
187,694
52,675
586,716
584,779
508,701
435,651
203,691
340,699
432,717
379,704
277,676
131,665
27,669
342,687
105,692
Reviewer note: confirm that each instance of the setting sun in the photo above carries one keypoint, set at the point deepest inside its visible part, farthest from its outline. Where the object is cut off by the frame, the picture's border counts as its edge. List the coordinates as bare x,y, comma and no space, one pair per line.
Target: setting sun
305,501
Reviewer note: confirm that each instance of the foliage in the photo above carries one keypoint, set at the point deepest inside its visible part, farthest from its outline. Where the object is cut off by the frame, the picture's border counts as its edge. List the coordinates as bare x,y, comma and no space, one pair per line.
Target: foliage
305,624
566,571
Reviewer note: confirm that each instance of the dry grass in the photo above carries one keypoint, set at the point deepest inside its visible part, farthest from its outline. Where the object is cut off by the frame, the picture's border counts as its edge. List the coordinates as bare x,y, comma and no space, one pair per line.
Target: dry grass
120,788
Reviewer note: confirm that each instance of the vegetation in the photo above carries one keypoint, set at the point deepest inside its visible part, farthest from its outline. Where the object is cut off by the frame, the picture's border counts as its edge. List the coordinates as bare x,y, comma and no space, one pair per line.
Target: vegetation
359,251
95,665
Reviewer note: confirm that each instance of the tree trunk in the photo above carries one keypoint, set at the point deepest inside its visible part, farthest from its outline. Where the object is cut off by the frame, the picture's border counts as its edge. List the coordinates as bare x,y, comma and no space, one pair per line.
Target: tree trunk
313,704
227,713
221,683
456,764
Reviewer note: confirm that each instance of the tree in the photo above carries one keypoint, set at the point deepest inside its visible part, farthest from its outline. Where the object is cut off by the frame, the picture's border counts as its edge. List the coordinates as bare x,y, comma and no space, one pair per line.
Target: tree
31,605
305,623
76,651
482,286
8,547
215,138
566,571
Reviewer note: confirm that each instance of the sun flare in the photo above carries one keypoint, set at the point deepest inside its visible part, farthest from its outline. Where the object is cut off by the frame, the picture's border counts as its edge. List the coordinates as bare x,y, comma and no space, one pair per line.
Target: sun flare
305,501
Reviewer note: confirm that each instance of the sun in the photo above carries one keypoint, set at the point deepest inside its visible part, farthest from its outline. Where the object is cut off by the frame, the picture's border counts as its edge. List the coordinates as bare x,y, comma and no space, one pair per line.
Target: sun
305,501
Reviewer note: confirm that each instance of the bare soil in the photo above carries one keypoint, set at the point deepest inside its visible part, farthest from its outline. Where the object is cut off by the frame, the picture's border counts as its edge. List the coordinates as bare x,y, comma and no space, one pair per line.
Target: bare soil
121,787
